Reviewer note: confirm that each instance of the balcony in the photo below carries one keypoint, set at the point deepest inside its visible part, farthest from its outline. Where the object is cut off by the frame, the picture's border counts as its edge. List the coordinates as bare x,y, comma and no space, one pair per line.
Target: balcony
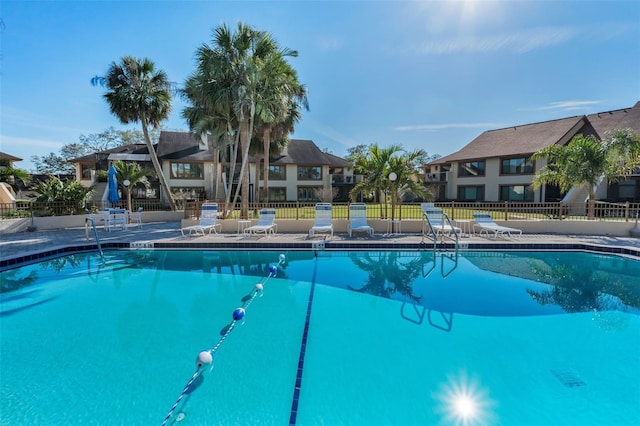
345,179
441,177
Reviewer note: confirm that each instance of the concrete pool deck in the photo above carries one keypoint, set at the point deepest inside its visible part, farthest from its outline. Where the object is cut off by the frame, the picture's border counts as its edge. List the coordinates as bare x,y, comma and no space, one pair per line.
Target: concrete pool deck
14,247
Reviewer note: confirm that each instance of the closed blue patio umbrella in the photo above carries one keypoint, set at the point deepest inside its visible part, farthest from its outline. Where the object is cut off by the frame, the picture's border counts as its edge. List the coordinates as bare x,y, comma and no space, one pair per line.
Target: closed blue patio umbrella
113,185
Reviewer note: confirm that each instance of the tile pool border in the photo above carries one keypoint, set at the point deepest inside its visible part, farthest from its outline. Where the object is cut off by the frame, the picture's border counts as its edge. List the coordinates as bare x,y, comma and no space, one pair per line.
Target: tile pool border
33,257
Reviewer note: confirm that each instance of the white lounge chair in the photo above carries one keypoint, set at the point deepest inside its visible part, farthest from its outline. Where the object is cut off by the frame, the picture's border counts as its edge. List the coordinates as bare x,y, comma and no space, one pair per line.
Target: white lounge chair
136,216
486,224
358,219
265,225
207,223
115,218
435,220
323,221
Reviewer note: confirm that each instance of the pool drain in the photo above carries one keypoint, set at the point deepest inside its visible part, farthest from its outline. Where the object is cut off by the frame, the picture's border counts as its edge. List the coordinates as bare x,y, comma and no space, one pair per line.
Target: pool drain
180,417
568,378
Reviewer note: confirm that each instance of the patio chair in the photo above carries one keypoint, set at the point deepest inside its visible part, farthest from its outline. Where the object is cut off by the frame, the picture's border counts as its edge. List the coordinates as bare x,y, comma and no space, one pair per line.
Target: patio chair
115,218
323,222
265,225
207,222
436,222
358,219
486,224
136,216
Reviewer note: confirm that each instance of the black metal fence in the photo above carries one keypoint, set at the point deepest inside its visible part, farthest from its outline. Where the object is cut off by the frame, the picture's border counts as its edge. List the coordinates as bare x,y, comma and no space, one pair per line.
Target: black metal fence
305,210
456,210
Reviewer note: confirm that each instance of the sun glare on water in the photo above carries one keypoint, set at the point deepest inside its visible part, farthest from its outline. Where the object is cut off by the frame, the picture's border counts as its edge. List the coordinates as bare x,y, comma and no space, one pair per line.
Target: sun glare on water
464,403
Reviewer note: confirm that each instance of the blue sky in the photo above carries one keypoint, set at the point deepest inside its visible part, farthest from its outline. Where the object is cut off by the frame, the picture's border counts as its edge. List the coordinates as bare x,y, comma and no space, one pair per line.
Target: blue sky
431,75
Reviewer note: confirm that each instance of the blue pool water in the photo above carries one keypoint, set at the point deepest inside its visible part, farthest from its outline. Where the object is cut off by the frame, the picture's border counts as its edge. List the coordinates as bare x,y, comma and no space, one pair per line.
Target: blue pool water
356,338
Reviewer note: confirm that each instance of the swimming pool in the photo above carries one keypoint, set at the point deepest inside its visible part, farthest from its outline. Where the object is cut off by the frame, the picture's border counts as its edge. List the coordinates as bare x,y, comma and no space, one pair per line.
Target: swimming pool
337,338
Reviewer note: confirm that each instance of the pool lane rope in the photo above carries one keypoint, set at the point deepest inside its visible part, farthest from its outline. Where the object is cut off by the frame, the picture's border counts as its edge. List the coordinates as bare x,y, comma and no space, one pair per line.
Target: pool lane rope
205,357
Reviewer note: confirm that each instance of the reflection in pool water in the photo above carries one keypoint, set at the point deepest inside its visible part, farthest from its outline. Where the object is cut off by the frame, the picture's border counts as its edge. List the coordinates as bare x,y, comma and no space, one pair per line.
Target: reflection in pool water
393,338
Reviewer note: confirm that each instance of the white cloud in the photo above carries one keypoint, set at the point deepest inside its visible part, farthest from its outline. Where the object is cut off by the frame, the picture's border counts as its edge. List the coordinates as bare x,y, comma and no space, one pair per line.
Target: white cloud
514,42
434,127
563,105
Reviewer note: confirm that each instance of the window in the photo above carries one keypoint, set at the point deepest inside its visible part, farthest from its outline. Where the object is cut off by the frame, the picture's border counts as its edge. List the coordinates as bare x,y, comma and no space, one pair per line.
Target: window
277,194
187,171
86,170
275,173
517,166
309,173
308,193
516,193
471,168
471,193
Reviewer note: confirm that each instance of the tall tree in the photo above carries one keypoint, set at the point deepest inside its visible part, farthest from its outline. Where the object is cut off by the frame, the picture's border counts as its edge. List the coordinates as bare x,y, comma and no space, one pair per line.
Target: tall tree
137,92
237,70
210,115
280,98
52,164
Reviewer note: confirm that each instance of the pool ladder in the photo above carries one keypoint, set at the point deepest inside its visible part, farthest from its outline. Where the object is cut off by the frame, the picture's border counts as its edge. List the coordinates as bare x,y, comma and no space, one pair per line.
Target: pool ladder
95,233
453,235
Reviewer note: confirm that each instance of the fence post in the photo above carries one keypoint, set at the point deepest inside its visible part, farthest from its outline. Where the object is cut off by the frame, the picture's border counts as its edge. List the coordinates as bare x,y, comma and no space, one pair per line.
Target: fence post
626,211
506,210
297,210
560,210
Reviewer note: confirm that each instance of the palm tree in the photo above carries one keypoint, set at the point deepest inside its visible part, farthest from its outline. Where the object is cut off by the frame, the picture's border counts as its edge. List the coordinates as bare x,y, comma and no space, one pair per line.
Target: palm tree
389,170
374,166
623,152
407,181
206,118
278,109
137,92
581,162
236,73
388,276
134,174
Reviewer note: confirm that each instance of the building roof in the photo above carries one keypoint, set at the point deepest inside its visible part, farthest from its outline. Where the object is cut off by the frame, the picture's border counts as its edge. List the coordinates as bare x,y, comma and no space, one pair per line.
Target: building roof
626,118
134,148
524,139
173,145
185,146
306,152
529,138
9,157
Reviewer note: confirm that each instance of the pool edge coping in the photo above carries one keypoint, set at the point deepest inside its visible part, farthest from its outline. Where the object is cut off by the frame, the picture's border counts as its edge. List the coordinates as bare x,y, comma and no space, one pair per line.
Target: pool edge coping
327,245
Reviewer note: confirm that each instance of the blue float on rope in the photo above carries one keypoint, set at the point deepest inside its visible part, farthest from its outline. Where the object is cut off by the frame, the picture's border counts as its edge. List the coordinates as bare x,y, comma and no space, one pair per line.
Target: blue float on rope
238,314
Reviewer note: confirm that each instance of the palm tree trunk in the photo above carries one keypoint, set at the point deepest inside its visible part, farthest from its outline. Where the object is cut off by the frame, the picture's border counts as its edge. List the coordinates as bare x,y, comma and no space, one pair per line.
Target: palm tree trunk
244,172
156,164
266,140
216,174
591,211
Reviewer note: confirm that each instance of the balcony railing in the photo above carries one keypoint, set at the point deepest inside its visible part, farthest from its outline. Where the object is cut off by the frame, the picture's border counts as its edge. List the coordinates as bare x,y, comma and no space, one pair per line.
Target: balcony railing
345,179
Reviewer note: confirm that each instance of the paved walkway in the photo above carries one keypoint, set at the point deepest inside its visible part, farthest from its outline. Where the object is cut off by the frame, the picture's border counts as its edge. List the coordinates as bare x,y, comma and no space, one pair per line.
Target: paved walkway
13,245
